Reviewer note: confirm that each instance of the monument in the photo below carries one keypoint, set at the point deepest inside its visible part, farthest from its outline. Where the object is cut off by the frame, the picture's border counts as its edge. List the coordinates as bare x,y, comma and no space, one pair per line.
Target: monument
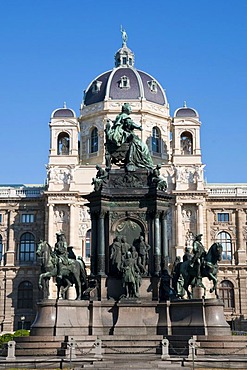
129,292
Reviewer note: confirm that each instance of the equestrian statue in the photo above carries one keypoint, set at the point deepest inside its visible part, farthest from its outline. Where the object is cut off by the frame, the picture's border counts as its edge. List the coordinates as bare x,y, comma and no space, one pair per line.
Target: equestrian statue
61,264
195,266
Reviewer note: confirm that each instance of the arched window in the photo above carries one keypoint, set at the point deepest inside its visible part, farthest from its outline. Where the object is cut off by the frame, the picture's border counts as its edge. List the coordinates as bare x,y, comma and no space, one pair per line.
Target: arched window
63,144
27,248
88,243
186,143
156,140
226,293
25,295
226,241
94,142
1,248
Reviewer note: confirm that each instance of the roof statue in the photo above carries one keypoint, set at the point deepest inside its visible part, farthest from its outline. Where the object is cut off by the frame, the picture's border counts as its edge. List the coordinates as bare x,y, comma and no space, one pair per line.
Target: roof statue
124,36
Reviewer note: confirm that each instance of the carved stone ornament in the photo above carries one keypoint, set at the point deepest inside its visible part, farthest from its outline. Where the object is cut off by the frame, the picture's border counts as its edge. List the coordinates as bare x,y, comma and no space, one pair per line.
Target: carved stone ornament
245,232
128,180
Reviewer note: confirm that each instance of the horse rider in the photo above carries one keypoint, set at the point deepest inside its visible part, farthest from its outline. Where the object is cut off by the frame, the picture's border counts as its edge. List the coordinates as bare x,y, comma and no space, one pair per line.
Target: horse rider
61,250
198,255
187,254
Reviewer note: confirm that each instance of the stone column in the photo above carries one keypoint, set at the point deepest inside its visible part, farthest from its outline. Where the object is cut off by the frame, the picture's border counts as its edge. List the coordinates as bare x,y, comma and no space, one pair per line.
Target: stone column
157,244
8,322
200,219
164,241
209,222
241,253
10,242
240,239
51,224
94,242
179,224
71,225
101,245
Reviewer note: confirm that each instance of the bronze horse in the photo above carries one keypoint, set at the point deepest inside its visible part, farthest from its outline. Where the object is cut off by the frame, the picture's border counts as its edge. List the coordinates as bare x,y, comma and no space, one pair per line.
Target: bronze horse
209,269
73,274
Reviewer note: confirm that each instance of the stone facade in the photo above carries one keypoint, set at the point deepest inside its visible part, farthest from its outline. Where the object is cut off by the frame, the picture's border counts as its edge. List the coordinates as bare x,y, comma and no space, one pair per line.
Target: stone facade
30,213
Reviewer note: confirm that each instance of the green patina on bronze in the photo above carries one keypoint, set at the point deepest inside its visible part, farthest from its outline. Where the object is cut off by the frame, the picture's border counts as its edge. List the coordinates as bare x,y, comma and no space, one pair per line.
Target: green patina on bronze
123,146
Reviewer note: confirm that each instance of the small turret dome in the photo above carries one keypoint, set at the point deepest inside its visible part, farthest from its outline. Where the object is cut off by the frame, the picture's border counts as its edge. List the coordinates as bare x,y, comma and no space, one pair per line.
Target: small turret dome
63,112
185,112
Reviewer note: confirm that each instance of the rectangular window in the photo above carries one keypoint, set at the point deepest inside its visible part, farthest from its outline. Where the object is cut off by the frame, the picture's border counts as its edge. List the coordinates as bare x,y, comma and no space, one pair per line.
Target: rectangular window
223,217
88,244
1,218
27,218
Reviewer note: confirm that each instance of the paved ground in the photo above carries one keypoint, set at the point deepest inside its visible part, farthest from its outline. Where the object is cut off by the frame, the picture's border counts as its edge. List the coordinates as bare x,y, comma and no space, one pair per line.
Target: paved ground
110,362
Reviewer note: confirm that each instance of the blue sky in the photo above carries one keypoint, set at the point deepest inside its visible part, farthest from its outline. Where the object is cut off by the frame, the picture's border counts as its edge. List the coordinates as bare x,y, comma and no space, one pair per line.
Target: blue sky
50,50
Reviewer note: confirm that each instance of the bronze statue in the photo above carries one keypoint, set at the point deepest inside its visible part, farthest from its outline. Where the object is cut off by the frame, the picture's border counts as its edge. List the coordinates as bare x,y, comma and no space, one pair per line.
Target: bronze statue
176,272
55,263
124,36
101,177
116,254
166,292
187,254
189,276
158,179
61,253
131,276
143,252
123,146
198,255
125,246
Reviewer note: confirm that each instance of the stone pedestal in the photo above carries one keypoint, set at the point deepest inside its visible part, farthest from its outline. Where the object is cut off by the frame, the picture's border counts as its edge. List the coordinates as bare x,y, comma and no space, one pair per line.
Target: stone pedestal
198,317
130,317
61,317
112,288
198,292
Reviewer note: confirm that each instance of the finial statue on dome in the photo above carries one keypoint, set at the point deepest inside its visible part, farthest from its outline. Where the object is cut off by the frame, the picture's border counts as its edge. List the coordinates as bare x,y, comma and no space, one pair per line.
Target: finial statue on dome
124,36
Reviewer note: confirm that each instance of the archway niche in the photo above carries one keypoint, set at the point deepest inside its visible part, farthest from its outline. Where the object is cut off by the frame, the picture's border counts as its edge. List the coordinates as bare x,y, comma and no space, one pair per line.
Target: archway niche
129,228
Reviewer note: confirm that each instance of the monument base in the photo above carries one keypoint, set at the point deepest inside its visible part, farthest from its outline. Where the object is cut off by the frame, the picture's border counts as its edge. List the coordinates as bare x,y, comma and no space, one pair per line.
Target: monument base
130,317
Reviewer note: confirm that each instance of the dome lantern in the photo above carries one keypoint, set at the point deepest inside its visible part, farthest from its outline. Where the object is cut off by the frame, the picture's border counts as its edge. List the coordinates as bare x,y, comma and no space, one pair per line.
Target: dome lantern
124,57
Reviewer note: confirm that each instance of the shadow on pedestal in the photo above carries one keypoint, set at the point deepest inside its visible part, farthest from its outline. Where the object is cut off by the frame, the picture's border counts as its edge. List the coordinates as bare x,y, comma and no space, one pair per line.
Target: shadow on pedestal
130,317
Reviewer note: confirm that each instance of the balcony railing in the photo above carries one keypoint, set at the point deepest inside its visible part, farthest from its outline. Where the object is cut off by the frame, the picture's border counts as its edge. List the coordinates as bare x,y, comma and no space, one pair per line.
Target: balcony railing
226,190
32,192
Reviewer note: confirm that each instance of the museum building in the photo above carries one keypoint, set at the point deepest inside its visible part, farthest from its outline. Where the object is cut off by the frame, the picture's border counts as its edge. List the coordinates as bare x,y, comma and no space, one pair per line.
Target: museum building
30,213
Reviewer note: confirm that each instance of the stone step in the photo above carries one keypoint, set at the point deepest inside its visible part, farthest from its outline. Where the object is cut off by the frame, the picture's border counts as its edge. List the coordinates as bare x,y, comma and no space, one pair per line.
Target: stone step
116,344
215,345
115,337
226,338
38,338
137,364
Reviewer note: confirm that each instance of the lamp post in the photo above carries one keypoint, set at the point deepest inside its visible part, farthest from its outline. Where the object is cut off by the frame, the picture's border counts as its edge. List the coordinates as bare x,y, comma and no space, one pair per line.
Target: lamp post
23,318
